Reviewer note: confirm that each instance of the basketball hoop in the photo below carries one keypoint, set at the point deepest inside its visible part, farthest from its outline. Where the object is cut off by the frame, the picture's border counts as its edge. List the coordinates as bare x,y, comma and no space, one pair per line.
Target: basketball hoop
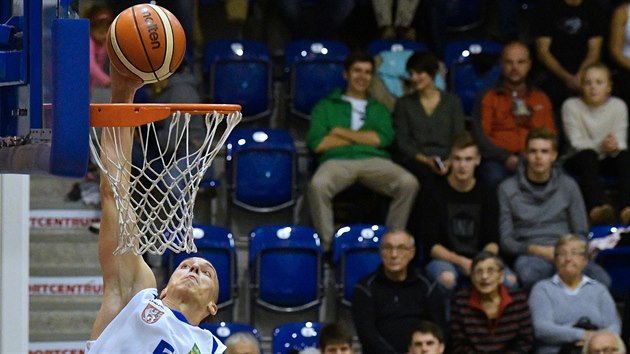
155,196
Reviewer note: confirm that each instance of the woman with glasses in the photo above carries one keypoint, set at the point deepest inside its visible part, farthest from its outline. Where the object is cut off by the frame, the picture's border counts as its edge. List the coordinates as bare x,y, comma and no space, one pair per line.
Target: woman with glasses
570,306
488,318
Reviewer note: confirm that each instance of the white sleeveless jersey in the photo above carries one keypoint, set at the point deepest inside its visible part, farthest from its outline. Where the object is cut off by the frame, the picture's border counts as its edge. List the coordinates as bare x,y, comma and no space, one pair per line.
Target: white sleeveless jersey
146,325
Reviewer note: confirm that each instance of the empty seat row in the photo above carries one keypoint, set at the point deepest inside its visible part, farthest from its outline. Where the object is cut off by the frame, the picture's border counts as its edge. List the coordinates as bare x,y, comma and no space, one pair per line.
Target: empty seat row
241,72
285,263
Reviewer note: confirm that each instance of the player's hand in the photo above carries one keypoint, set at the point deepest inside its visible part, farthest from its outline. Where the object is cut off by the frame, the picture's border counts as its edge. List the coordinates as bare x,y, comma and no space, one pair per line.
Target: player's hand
123,87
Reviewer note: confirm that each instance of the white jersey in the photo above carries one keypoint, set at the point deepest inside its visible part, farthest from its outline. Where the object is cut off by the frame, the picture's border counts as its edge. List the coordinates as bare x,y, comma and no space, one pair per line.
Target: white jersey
146,325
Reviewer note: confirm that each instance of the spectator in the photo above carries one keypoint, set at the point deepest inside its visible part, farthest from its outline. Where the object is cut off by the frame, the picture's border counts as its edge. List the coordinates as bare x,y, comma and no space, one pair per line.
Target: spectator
425,122
351,132
335,339
242,343
604,342
569,36
536,207
507,112
426,338
395,18
387,303
488,318
596,126
619,47
462,219
100,16
568,307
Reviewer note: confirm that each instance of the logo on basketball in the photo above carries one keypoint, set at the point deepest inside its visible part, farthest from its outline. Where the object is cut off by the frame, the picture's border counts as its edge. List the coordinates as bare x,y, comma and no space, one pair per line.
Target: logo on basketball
151,314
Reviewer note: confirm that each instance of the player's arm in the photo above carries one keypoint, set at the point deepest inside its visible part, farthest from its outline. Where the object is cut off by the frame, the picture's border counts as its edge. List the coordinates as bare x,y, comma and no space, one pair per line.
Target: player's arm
127,274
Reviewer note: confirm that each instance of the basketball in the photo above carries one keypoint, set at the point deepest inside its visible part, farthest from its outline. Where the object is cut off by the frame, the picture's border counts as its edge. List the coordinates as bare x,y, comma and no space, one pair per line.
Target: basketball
146,43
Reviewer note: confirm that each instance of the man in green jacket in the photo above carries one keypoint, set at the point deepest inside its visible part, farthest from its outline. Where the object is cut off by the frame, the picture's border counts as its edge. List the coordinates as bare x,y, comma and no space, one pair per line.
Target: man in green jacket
350,132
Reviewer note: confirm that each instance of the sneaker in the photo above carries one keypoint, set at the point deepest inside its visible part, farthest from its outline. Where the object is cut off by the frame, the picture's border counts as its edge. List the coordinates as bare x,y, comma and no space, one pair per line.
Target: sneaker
602,215
95,227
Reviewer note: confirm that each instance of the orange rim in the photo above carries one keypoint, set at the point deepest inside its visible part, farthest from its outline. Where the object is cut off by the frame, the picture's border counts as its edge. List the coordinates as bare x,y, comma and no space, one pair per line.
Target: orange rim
136,114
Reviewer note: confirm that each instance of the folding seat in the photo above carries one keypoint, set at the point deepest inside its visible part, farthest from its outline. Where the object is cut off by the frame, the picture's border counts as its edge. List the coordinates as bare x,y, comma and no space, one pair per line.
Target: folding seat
615,261
223,330
285,268
473,66
240,72
261,170
377,46
314,68
355,255
290,338
215,244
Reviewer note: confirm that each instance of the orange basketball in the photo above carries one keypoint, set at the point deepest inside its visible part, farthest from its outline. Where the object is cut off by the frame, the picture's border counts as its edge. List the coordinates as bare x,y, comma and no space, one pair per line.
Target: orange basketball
146,43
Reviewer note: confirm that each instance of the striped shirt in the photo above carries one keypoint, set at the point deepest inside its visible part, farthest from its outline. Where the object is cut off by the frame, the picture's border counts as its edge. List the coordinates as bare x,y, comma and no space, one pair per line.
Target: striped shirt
473,332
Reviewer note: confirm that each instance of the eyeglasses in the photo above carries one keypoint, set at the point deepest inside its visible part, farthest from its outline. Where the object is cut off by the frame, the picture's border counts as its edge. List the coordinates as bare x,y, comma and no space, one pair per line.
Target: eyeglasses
607,350
490,271
399,249
570,254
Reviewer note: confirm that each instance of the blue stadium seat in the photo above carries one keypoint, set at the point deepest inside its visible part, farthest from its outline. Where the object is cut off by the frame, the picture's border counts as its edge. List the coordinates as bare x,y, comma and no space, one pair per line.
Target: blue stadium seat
215,244
355,255
462,15
381,45
285,268
240,72
223,330
292,337
615,261
261,169
314,69
473,67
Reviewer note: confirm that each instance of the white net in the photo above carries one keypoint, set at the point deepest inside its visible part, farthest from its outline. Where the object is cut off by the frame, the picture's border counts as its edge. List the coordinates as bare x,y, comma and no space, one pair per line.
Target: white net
155,186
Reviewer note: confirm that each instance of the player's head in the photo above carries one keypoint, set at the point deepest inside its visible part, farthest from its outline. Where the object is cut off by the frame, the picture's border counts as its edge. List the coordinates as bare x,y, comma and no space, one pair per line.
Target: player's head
426,338
464,157
358,72
515,63
194,281
335,339
242,343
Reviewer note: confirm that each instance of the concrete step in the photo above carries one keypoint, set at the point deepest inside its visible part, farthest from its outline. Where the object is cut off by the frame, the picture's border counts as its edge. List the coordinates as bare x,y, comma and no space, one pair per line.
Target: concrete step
60,325
49,192
63,252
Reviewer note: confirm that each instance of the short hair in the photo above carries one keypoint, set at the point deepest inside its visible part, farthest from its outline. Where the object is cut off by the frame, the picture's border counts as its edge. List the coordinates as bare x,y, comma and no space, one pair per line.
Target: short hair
402,231
427,327
463,140
597,65
570,238
242,337
484,255
333,333
622,346
357,56
423,62
542,133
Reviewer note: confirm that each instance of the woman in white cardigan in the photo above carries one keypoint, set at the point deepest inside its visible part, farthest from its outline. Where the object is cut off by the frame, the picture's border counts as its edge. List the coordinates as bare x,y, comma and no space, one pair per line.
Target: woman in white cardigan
596,125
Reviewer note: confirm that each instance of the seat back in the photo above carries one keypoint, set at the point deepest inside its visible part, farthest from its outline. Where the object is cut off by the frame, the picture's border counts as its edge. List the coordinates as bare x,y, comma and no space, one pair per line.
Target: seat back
355,255
261,168
285,267
291,337
314,68
223,330
240,72
473,67
377,46
215,244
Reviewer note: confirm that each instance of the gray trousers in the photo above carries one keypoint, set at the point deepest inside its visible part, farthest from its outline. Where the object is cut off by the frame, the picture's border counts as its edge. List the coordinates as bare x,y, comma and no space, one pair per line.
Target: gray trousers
379,174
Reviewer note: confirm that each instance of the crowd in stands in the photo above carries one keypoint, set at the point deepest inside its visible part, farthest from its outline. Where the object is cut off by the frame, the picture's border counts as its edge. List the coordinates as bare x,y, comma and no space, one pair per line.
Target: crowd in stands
500,201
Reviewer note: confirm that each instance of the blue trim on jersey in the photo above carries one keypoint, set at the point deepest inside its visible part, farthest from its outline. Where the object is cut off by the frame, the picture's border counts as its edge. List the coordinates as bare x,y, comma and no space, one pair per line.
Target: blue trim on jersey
180,316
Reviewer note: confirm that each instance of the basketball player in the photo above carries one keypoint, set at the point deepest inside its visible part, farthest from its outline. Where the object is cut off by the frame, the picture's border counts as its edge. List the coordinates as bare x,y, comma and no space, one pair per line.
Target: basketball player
133,317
